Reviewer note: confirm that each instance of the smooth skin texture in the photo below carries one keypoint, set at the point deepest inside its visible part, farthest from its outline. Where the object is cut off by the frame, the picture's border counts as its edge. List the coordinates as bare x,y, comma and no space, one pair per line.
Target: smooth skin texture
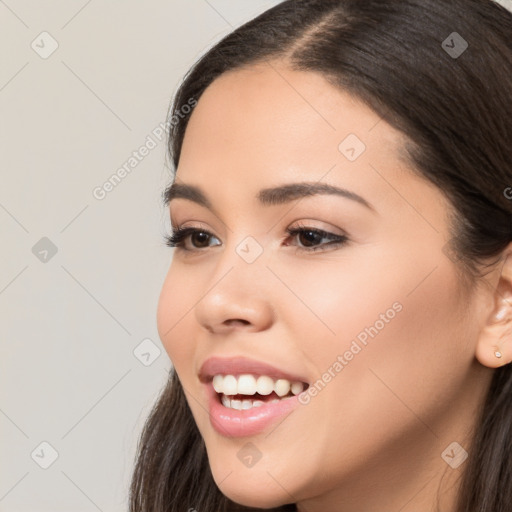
373,438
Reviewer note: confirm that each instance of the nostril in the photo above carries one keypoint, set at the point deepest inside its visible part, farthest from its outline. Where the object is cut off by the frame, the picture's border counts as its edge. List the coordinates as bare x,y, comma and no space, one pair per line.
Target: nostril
237,321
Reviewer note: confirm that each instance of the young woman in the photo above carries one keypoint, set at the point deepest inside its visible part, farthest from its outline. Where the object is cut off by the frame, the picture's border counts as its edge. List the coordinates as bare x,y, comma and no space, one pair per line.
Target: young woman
338,307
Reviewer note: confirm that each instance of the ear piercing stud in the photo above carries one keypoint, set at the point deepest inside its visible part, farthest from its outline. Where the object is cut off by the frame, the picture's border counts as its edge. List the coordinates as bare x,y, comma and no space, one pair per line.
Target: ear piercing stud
497,354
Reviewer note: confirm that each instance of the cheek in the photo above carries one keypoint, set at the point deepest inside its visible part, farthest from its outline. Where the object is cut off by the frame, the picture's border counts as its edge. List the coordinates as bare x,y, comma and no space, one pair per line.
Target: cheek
410,301
403,361
388,333
402,366
174,314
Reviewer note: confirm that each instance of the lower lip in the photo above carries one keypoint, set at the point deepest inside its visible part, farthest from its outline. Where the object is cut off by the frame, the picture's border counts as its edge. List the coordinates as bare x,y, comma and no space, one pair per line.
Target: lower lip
234,423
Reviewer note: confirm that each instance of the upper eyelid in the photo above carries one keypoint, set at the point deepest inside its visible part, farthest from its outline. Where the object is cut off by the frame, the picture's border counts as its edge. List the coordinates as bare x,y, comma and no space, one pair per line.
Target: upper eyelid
302,225
299,228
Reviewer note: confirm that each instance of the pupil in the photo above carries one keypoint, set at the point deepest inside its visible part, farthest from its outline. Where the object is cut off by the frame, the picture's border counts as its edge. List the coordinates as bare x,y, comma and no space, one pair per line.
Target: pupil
312,235
204,236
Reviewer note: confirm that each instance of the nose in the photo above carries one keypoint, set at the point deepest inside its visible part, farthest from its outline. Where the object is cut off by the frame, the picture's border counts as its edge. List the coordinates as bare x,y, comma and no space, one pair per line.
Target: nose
237,296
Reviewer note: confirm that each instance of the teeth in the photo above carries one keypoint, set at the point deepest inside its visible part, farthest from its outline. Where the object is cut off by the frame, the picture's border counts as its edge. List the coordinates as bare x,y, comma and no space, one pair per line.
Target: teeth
229,385
236,404
296,387
225,401
250,385
264,385
246,385
218,381
243,404
282,387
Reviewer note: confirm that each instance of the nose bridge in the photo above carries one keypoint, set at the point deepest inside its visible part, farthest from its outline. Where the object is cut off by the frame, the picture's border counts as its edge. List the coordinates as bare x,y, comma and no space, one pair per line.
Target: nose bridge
241,267
238,289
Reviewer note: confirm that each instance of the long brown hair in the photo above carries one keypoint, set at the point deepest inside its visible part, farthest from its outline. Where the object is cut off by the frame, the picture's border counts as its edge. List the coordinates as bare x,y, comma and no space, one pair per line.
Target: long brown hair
408,61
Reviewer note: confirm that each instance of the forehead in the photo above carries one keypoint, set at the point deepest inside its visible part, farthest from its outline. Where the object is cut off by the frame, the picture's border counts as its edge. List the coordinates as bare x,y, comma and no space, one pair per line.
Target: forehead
266,125
266,118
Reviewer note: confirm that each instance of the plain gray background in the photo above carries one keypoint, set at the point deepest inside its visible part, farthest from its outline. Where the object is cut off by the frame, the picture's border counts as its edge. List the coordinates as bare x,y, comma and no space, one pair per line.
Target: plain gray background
80,275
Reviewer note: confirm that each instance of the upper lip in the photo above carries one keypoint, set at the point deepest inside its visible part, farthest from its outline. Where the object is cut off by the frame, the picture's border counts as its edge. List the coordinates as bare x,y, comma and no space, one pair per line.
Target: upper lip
242,365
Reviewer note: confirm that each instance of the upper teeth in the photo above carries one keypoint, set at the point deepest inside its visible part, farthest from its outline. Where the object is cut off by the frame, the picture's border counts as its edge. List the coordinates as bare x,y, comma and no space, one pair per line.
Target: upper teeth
250,384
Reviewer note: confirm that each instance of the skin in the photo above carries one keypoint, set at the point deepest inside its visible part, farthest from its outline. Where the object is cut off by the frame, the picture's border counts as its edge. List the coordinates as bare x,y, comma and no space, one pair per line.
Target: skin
372,439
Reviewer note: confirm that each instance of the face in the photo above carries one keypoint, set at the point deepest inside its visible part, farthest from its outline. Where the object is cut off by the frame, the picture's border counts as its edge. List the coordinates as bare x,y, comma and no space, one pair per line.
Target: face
369,313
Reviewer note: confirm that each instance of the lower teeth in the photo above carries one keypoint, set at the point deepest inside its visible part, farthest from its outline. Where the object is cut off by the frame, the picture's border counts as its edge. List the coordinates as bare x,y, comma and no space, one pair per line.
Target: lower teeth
232,403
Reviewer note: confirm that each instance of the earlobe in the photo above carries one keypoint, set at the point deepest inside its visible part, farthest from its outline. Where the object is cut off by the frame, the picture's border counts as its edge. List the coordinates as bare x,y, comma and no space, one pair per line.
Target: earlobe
494,347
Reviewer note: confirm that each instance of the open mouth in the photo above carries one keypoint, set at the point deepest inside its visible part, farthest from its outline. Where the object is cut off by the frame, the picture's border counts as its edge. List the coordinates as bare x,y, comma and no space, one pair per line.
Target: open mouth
248,391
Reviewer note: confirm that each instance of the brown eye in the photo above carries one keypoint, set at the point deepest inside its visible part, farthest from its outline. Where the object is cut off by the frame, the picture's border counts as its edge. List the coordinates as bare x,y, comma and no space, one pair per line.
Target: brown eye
200,238
310,238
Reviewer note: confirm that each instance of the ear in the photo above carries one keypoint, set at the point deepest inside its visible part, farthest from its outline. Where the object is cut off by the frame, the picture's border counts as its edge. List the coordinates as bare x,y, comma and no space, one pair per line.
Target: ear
496,336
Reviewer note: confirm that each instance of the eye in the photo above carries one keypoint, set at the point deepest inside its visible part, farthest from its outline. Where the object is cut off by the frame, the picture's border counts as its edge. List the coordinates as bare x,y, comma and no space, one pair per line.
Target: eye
308,237
180,236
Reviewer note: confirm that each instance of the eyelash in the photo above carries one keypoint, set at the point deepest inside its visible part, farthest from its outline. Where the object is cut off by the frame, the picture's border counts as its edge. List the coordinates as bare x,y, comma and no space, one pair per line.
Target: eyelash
179,236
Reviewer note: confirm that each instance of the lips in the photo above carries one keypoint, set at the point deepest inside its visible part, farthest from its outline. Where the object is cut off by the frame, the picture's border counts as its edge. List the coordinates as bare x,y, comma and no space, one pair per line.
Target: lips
242,365
235,423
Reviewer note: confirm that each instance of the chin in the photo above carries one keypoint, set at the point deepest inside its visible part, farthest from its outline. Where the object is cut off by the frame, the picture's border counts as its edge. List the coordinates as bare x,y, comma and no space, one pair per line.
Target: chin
260,497
251,487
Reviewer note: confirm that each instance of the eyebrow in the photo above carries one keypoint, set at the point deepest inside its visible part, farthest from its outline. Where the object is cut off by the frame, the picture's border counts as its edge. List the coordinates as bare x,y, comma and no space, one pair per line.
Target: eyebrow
268,196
